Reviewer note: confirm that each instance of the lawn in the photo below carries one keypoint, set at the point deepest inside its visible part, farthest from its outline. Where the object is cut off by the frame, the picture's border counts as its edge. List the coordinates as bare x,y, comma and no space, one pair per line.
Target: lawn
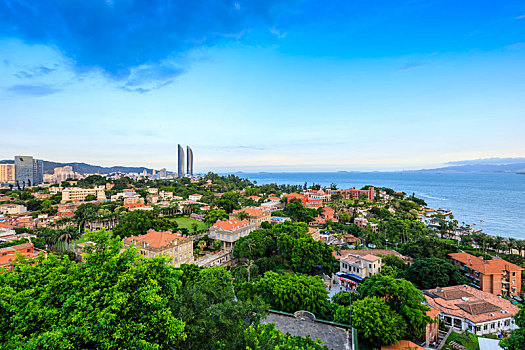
469,340
186,223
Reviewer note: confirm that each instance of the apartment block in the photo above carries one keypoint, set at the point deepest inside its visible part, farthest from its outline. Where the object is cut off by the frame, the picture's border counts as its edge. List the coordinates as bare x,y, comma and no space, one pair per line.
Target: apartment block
79,194
7,173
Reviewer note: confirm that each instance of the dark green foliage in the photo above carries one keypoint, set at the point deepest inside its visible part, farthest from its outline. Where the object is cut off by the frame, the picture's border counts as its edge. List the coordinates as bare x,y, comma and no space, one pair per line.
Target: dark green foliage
427,273
428,247
138,222
92,181
266,337
342,298
516,341
13,243
109,301
298,212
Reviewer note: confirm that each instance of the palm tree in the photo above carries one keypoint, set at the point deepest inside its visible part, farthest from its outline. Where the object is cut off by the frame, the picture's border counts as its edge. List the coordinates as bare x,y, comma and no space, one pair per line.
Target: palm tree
248,266
511,244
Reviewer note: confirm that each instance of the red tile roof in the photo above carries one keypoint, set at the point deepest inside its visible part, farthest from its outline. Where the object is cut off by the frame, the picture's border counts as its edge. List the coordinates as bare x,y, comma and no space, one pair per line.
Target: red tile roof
157,239
487,267
252,212
229,225
402,345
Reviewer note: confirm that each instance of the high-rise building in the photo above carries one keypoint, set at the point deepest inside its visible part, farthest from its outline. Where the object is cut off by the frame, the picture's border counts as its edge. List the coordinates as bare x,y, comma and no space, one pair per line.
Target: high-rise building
7,173
38,171
190,161
162,173
24,170
180,169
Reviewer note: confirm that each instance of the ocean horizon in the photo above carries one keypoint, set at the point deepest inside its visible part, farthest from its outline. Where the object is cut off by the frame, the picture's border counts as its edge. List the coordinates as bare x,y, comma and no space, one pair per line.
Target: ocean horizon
494,202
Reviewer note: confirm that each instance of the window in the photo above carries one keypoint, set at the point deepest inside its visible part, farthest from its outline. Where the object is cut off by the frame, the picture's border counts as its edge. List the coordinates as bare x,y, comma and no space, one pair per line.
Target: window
493,325
513,274
507,322
513,281
478,328
485,327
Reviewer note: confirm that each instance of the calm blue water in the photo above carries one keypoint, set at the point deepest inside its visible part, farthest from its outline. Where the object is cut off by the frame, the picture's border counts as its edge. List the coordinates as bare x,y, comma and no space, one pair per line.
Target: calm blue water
496,198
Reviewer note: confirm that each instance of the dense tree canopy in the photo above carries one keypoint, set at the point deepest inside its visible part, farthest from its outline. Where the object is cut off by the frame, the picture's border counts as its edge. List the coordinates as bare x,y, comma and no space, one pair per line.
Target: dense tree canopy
433,272
138,222
112,300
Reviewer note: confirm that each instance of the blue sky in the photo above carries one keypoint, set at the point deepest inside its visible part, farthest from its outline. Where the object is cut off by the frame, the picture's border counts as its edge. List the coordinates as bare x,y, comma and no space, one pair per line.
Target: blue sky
263,84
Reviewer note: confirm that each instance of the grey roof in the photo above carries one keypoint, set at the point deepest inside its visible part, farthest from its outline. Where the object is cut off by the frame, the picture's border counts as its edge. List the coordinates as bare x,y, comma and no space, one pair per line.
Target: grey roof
489,344
333,336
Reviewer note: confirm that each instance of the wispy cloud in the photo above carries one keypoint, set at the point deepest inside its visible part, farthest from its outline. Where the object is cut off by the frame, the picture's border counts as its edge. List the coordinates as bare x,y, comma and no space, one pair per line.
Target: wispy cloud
516,46
35,72
121,37
32,90
520,17
411,65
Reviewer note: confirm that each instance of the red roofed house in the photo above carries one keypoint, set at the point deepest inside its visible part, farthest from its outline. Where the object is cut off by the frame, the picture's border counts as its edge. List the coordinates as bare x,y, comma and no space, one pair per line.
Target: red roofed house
306,199
255,215
402,345
155,243
229,231
8,254
370,194
315,232
466,308
495,276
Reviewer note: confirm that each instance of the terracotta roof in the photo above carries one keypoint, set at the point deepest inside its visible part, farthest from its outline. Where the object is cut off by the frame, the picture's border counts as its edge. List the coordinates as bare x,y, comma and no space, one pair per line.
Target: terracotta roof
228,225
487,267
252,212
370,257
274,198
433,313
470,303
402,345
157,239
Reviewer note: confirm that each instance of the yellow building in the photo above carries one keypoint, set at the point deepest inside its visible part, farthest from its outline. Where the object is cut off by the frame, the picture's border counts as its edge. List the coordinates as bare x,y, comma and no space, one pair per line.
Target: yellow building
7,173
156,243
79,194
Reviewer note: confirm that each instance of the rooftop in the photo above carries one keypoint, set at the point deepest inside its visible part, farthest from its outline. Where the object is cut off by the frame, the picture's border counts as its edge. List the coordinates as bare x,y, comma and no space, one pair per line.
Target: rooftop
487,267
470,303
157,239
229,225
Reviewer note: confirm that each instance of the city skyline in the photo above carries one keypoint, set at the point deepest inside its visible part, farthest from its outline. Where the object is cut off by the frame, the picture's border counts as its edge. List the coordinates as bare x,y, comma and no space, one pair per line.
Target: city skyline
284,86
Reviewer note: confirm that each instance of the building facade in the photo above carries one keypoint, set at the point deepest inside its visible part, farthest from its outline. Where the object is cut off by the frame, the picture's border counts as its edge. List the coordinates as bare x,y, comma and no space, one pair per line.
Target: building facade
362,266
38,171
157,243
230,231
180,168
466,308
255,215
189,158
495,276
24,170
7,173
74,194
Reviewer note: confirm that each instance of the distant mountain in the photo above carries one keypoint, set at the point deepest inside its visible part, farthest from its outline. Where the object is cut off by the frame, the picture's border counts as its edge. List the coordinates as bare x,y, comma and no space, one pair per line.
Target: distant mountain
84,168
491,165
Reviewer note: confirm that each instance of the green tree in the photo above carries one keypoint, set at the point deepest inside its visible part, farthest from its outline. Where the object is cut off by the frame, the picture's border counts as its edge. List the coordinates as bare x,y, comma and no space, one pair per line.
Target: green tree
138,222
403,298
108,301
266,337
215,215
90,197
516,341
427,273
293,292
376,323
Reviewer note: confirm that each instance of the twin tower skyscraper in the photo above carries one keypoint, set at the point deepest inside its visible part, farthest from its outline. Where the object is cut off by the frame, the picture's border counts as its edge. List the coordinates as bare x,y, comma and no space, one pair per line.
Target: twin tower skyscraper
180,170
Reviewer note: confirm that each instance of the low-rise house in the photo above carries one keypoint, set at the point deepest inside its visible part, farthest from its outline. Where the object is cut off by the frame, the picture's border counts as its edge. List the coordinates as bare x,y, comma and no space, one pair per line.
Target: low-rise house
230,231
195,197
369,194
138,206
315,233
496,276
274,220
255,215
79,194
155,243
8,254
12,209
466,308
362,266
364,223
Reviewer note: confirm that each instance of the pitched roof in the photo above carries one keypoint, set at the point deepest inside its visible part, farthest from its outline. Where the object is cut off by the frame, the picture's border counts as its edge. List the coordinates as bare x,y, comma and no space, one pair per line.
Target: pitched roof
402,345
157,239
470,303
487,267
370,257
252,212
229,225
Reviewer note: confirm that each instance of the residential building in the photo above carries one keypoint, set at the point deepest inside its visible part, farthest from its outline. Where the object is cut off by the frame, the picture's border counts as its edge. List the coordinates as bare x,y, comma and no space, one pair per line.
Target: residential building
156,243
79,194
180,169
24,170
162,173
255,215
189,159
229,231
495,276
306,200
12,209
38,171
133,200
466,308
195,197
315,233
364,223
377,252
7,173
8,254
369,194
402,345
362,266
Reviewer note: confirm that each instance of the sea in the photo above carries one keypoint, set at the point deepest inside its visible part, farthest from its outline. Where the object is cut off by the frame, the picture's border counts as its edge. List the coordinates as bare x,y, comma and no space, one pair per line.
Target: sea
494,202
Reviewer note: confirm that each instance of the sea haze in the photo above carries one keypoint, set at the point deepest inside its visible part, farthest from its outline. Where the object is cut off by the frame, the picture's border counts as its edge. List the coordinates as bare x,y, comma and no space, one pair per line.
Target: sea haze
496,198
